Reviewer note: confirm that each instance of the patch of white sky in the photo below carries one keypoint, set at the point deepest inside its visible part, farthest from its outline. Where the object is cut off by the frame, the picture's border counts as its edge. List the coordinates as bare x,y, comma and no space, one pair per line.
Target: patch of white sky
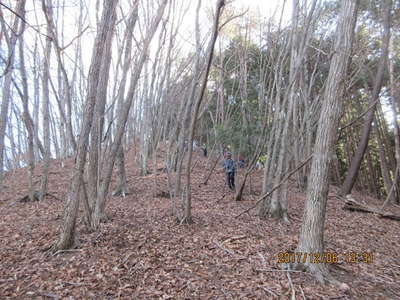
262,10
258,10
68,12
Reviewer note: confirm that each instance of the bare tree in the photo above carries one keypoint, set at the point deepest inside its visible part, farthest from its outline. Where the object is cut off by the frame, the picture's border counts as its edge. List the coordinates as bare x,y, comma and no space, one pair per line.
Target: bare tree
98,213
26,117
67,235
311,238
187,204
378,82
45,108
98,124
11,40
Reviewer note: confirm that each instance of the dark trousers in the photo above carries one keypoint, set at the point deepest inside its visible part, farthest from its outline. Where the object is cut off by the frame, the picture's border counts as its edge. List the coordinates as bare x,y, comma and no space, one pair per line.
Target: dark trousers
230,178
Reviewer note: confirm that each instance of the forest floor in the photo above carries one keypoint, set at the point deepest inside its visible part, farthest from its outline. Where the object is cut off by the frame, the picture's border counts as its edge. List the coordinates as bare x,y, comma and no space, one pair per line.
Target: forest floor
142,253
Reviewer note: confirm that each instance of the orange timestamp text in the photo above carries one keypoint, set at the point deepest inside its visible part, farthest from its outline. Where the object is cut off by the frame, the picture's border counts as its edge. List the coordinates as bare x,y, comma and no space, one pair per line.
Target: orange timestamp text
325,257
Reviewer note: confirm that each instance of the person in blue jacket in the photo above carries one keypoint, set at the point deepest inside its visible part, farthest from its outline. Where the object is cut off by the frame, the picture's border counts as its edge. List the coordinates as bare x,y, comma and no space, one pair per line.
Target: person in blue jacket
230,169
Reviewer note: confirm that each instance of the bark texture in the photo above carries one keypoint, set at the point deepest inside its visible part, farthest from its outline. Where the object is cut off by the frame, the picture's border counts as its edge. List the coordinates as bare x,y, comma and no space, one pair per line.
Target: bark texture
67,235
312,231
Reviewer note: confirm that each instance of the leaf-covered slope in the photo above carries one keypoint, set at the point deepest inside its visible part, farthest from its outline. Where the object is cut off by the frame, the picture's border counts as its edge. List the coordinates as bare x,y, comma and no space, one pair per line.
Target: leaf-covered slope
143,253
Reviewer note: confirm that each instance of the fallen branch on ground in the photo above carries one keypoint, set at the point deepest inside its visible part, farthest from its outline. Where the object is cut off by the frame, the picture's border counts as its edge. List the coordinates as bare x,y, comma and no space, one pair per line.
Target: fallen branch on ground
352,205
36,197
66,250
277,186
234,238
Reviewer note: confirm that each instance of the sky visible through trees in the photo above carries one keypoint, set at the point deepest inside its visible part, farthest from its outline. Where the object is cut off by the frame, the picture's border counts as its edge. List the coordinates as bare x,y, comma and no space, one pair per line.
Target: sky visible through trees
305,95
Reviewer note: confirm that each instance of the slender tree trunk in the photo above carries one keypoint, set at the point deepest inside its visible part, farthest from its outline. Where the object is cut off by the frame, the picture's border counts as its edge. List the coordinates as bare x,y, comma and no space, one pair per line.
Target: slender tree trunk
120,159
26,114
395,94
6,92
187,205
45,107
362,146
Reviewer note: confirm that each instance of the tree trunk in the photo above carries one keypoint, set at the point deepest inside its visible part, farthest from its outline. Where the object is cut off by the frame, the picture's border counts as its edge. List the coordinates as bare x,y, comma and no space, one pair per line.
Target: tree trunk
98,124
6,97
67,235
46,7
123,117
362,146
26,114
120,159
395,94
311,238
187,201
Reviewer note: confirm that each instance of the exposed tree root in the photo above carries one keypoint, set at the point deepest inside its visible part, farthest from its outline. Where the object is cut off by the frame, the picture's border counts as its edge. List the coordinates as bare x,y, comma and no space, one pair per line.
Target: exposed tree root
318,270
104,218
61,246
96,220
185,220
279,214
26,198
36,197
162,194
121,191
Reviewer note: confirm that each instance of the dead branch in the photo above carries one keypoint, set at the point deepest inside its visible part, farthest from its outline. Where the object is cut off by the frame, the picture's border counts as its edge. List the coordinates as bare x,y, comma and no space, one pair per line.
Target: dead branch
353,205
234,238
277,186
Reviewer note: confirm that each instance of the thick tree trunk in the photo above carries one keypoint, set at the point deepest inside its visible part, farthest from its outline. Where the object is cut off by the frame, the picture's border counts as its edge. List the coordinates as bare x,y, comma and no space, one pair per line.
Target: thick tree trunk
362,146
312,230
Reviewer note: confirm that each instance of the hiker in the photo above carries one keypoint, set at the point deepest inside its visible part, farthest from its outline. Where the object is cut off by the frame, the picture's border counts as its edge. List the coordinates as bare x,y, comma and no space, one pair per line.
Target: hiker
229,167
185,145
204,150
242,162
259,165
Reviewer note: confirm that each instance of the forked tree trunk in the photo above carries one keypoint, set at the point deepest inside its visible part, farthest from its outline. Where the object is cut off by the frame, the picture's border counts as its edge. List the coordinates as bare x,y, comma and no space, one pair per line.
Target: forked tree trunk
312,230
98,124
99,213
67,235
